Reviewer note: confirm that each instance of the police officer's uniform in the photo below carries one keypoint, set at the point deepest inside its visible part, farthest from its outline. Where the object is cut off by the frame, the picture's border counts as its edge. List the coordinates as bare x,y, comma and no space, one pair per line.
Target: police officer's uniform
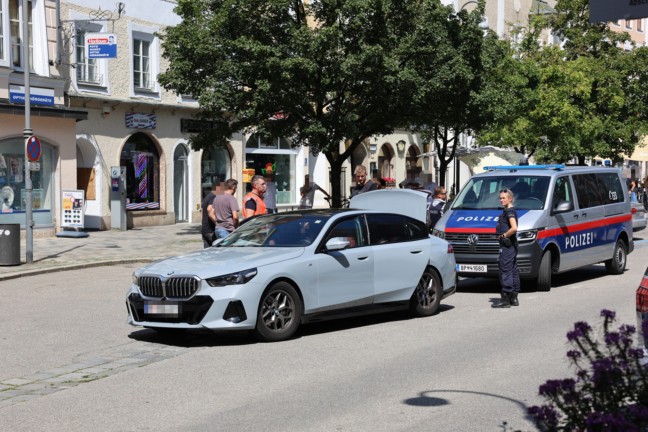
508,270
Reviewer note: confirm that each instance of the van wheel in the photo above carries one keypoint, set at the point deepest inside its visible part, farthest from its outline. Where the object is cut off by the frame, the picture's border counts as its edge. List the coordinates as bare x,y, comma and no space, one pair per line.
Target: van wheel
543,282
617,264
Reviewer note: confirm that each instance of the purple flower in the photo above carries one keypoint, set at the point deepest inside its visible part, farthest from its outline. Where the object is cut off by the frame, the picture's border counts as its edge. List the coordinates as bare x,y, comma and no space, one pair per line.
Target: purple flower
608,314
581,328
612,338
627,330
557,387
606,374
545,415
574,355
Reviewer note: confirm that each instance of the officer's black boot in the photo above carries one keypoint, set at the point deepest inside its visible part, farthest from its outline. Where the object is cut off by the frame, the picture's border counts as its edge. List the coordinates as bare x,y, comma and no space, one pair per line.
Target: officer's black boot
504,302
513,299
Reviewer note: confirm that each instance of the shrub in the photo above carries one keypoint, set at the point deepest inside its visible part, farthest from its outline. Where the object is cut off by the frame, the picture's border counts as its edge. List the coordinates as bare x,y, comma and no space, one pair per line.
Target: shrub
610,390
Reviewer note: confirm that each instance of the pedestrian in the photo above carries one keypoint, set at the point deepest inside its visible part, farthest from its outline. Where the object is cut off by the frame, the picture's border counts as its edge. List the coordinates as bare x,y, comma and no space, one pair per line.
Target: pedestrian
253,202
207,230
308,193
224,211
632,190
383,183
436,207
270,197
508,270
362,183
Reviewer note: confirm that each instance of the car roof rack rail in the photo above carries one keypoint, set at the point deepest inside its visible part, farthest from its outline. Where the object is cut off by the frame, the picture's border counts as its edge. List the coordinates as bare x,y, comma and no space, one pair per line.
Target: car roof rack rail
556,167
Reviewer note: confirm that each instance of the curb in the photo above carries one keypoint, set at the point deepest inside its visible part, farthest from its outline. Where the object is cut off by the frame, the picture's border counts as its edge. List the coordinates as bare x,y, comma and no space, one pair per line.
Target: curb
66,267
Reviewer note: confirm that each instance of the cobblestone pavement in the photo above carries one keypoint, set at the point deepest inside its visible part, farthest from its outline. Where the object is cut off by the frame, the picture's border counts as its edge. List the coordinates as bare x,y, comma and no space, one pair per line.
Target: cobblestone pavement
106,247
49,381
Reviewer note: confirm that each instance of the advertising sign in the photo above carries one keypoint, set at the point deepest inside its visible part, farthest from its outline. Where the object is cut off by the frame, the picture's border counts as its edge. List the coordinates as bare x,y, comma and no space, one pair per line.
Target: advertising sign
141,120
37,95
73,209
101,45
613,10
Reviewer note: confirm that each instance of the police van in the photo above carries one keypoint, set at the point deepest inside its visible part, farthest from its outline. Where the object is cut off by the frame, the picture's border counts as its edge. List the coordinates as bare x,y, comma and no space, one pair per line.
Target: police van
568,217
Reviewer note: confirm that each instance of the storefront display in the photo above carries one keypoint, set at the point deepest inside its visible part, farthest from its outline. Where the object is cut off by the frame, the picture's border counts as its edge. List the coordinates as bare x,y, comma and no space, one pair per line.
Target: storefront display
278,154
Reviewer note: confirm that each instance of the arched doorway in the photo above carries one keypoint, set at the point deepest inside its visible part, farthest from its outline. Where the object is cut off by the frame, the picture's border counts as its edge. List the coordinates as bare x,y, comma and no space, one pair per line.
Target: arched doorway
385,167
216,168
413,163
141,158
181,183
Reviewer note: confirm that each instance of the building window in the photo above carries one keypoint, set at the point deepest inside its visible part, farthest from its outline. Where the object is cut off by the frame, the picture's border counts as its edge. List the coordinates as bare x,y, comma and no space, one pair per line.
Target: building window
275,159
142,161
216,168
142,64
87,70
640,25
628,24
16,21
12,184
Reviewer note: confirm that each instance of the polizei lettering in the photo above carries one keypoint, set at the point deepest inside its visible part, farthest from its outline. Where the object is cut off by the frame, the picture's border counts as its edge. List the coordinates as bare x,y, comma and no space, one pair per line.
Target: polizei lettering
478,218
578,240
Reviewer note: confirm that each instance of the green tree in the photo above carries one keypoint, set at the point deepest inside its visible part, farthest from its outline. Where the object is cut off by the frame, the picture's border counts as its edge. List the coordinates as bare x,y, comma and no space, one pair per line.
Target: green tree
582,98
337,71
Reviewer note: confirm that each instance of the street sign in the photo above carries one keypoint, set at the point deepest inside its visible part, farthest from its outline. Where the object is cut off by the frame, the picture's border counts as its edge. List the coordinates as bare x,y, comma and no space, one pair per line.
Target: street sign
34,166
33,149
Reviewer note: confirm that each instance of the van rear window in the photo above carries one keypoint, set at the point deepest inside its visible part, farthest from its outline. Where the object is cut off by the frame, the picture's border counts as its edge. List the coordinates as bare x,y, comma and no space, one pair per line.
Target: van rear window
529,192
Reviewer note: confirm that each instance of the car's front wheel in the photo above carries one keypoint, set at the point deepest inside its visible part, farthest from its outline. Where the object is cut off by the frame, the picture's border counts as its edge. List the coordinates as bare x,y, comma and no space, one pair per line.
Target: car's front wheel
427,295
279,313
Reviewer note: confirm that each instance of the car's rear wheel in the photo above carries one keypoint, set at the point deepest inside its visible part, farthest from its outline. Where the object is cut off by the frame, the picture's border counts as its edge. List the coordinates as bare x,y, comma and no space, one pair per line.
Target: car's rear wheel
617,264
279,313
543,282
427,295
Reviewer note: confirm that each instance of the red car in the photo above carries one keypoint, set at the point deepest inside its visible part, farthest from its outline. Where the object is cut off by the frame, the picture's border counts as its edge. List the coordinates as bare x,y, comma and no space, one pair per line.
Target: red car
642,309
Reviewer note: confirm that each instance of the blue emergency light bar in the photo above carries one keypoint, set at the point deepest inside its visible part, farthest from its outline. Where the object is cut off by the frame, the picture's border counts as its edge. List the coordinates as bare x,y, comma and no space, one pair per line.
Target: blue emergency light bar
524,167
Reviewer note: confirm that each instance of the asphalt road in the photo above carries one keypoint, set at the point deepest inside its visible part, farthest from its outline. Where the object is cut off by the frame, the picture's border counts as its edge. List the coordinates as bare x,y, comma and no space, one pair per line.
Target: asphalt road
70,363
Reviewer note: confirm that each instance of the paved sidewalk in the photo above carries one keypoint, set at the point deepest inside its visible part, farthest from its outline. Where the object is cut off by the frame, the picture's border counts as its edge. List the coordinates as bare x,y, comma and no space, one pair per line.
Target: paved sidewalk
106,247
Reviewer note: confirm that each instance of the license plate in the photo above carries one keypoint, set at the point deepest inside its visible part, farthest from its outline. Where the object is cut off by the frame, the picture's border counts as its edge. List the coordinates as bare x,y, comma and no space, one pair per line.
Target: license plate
472,268
161,309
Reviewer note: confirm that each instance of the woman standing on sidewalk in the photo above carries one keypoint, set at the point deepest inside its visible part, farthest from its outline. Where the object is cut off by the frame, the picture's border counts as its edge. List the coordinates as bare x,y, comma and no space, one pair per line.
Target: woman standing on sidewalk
508,270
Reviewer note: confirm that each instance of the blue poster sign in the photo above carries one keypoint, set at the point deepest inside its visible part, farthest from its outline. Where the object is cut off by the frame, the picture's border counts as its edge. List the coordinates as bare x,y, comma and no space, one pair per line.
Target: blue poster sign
101,45
37,95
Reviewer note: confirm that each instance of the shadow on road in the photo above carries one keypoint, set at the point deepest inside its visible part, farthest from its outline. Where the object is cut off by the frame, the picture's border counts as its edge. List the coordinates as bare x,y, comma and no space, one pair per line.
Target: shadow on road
207,338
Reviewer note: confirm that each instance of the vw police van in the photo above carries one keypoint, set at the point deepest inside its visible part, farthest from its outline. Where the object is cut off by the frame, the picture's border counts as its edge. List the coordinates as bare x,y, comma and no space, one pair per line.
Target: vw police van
568,217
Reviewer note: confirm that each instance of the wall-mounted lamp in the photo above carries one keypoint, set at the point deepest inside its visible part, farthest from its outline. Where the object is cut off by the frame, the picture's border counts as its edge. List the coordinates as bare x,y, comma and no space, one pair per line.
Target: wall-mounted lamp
105,109
400,145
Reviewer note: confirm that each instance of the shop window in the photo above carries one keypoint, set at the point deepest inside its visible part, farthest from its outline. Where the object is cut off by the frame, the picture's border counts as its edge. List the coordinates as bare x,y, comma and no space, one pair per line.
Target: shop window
216,168
12,184
276,160
142,161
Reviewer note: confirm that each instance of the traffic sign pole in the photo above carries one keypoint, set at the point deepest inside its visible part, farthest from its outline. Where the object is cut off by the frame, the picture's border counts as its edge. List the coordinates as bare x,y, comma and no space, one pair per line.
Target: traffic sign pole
27,133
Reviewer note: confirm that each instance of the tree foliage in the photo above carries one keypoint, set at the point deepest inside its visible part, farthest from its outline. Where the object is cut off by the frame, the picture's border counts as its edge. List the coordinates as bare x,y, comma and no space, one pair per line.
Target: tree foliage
320,73
581,97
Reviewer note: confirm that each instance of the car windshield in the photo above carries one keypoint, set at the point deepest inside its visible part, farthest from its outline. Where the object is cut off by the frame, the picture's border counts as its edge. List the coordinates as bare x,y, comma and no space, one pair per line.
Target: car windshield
277,230
482,193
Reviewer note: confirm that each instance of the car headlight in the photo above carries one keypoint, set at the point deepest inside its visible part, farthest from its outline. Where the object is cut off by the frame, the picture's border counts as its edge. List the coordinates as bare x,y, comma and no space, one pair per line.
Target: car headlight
238,278
438,233
525,236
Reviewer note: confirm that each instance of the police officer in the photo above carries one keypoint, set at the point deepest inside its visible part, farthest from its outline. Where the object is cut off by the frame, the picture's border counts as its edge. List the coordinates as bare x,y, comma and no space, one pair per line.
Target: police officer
508,269
437,204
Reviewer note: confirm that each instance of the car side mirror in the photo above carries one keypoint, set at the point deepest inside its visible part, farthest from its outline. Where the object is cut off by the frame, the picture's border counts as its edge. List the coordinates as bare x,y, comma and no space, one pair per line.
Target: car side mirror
336,244
563,207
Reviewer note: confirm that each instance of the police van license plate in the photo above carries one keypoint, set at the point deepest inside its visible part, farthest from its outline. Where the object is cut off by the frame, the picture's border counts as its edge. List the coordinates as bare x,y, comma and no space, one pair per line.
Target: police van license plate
161,309
471,268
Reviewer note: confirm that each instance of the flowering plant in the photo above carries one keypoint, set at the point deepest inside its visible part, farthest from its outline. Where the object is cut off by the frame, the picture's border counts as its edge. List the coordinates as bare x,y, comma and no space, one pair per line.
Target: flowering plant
389,179
610,391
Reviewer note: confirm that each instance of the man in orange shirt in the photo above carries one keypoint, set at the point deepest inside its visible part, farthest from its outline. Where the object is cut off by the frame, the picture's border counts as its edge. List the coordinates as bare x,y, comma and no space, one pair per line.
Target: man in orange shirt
253,202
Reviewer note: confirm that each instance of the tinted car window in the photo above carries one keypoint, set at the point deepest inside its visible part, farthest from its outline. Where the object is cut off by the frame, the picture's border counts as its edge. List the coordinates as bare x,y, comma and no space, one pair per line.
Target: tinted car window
562,191
388,228
277,230
589,192
349,229
417,230
610,185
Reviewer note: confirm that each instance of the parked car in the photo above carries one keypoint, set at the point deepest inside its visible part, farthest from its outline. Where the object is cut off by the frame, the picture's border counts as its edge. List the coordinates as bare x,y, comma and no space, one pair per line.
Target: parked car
642,310
277,271
638,217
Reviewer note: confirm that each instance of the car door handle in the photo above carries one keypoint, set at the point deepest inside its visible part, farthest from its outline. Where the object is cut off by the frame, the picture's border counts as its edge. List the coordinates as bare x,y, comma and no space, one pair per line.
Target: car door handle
362,258
416,252
575,216
584,215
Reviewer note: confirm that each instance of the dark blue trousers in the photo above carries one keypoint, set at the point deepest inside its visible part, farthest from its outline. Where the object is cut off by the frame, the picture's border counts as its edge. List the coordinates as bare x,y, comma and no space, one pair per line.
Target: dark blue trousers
508,270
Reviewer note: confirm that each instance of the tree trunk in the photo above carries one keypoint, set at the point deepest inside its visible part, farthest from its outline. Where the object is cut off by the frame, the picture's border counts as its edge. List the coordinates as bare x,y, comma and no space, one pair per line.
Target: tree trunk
335,179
